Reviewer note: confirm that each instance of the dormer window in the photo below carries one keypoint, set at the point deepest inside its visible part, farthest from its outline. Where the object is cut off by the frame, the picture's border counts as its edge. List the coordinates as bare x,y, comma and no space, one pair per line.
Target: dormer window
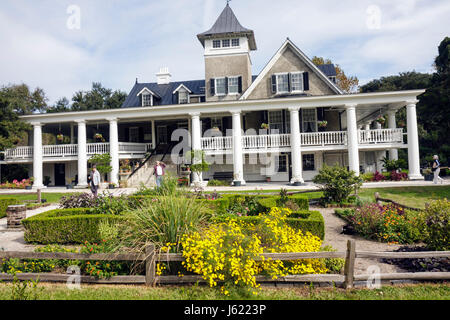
147,97
183,97
181,94
147,100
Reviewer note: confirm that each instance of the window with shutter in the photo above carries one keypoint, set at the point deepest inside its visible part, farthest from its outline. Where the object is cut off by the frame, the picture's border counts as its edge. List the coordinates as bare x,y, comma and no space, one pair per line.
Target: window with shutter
221,86
305,81
297,82
282,83
213,87
233,85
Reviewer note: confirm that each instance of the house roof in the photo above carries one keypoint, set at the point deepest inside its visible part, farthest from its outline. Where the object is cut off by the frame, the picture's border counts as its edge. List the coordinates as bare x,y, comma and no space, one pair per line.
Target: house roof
328,69
228,24
164,91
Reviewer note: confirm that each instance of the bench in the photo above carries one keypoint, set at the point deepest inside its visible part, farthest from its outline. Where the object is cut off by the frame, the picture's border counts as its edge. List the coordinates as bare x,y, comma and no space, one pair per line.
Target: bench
226,175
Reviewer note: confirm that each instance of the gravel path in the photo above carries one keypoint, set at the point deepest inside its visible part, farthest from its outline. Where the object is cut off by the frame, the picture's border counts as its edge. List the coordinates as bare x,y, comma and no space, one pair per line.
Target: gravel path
13,240
333,237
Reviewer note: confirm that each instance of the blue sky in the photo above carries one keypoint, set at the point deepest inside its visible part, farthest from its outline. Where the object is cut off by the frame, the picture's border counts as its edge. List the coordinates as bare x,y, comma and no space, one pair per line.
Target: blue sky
120,40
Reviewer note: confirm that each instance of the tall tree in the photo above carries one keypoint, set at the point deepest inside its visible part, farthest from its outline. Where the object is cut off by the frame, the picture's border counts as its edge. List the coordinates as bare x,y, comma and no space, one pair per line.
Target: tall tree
348,84
17,100
434,106
98,98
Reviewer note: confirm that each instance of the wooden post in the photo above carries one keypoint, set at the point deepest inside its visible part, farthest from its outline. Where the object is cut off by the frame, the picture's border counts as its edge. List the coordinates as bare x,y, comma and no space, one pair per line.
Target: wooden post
150,263
38,191
349,268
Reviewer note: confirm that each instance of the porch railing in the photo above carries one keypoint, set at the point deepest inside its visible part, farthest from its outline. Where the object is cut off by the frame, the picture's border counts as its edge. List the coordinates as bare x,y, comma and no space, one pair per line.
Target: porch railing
324,138
380,136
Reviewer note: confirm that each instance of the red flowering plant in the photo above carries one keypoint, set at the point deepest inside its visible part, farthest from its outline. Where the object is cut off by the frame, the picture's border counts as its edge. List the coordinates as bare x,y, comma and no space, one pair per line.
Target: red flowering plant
102,269
378,177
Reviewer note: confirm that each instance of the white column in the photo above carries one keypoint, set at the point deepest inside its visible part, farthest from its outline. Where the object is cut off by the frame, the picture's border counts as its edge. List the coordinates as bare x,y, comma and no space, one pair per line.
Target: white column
352,137
82,155
153,135
238,161
379,159
114,149
37,156
196,141
296,148
72,138
393,153
413,142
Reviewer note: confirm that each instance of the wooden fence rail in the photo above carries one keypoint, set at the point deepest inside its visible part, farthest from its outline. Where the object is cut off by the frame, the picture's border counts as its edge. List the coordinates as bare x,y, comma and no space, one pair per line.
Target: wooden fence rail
151,257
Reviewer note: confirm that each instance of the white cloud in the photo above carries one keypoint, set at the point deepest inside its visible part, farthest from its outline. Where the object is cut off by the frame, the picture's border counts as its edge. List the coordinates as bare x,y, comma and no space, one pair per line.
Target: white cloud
121,40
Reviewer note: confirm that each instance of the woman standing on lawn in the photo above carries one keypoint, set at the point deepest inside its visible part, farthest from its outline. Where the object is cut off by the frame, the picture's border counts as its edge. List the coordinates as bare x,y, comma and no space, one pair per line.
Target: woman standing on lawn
95,181
436,168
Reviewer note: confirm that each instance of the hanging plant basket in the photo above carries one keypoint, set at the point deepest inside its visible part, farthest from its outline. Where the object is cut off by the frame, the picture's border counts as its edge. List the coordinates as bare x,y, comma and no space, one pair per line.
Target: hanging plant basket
381,120
98,136
60,137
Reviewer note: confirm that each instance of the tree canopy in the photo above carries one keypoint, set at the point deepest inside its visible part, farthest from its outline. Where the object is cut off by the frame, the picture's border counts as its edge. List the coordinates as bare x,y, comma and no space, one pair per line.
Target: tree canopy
434,106
97,98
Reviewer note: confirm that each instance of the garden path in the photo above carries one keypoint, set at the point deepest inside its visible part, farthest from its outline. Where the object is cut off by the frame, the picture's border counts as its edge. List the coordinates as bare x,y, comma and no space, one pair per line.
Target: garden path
333,237
13,240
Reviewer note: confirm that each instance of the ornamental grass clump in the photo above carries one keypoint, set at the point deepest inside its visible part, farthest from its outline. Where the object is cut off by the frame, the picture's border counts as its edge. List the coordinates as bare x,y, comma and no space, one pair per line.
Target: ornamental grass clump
159,221
231,252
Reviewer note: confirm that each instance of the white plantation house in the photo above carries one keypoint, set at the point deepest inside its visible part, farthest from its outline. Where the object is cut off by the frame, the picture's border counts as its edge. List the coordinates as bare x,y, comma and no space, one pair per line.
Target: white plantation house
237,119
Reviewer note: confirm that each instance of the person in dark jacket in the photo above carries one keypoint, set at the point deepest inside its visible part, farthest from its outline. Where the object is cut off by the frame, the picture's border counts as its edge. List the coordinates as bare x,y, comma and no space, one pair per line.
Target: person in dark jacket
158,171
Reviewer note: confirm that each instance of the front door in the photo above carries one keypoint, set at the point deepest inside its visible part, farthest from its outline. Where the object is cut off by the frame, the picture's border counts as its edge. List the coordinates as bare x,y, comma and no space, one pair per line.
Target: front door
60,174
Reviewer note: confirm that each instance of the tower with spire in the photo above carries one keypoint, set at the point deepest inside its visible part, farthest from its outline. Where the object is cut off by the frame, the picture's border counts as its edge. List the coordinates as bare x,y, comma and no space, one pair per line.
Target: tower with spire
227,47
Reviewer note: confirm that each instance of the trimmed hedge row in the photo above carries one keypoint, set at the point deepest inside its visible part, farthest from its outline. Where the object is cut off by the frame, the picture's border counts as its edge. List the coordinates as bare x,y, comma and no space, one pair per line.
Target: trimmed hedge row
64,226
308,221
4,203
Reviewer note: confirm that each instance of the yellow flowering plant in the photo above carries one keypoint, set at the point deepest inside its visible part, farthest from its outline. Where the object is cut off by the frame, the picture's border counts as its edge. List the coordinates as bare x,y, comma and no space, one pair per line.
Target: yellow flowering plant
232,251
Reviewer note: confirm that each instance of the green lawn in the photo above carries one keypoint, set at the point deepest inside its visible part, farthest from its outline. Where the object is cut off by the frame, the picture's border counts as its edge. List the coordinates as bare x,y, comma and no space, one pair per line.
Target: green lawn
112,292
410,196
51,197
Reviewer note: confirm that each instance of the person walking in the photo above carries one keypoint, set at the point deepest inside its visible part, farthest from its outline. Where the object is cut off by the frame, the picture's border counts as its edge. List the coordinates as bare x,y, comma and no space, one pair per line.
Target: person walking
95,181
436,168
158,171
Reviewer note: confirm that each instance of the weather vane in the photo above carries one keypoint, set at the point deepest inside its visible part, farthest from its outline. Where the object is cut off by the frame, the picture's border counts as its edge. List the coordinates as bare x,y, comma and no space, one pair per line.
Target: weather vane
228,2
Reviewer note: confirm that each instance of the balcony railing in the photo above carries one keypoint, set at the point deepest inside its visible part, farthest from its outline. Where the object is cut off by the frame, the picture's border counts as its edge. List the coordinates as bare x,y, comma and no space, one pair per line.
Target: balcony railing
220,144
71,150
380,136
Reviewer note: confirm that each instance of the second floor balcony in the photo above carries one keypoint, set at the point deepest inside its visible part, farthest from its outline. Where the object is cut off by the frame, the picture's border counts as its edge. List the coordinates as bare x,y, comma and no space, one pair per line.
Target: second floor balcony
314,141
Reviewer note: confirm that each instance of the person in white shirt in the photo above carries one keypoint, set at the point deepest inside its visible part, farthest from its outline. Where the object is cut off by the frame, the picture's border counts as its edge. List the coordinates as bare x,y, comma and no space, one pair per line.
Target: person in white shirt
436,169
158,171
95,181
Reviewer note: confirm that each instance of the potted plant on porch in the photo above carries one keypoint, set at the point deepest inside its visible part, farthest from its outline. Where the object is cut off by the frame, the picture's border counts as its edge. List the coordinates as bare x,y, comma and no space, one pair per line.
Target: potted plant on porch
322,125
428,174
29,186
236,182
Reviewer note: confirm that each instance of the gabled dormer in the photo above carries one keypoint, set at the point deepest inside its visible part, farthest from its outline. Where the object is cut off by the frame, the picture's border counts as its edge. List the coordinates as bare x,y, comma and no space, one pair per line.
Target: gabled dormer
227,57
181,94
147,97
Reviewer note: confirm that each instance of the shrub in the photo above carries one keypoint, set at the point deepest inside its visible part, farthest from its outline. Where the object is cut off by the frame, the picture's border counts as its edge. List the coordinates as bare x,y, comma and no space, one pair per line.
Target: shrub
368,176
337,183
218,183
4,203
387,223
65,226
378,177
78,200
335,265
437,216
398,176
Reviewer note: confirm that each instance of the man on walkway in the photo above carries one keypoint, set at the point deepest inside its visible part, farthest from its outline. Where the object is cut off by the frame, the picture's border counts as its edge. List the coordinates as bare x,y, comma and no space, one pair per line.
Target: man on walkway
95,181
158,171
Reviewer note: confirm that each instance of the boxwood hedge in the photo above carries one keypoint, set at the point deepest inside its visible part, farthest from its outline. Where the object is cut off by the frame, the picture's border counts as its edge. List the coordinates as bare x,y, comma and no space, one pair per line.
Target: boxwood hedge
4,203
64,226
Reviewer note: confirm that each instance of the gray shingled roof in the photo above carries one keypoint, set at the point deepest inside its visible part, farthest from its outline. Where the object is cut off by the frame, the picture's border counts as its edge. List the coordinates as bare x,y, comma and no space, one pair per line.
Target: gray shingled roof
227,23
328,69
